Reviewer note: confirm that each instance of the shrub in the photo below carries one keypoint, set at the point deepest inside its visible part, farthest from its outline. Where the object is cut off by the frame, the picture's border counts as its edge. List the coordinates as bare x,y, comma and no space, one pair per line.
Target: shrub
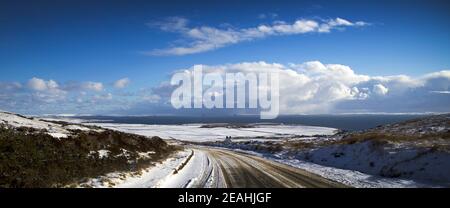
40,160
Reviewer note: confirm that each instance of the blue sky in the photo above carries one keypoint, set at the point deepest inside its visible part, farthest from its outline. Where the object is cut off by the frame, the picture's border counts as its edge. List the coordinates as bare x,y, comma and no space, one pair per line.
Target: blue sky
74,42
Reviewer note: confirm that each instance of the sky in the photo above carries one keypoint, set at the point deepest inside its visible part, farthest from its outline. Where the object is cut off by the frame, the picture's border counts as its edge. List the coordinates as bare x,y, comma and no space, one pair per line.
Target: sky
116,57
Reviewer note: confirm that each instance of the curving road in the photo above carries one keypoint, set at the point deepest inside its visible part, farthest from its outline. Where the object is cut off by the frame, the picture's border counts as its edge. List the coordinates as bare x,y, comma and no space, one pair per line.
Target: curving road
225,168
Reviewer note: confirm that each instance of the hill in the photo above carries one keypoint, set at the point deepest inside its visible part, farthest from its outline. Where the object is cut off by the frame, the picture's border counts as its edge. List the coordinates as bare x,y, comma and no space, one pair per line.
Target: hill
41,153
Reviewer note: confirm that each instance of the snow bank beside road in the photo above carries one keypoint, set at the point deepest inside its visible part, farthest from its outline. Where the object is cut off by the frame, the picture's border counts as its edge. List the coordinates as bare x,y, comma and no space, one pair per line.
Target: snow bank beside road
148,178
389,160
348,177
352,178
187,168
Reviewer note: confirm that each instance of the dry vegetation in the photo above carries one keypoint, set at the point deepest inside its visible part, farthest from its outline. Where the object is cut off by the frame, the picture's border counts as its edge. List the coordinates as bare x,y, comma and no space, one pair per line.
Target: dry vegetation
439,141
35,159
430,132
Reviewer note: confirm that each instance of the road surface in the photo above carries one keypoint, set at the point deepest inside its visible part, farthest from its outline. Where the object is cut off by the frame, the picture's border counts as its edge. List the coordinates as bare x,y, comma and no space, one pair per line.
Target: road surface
225,168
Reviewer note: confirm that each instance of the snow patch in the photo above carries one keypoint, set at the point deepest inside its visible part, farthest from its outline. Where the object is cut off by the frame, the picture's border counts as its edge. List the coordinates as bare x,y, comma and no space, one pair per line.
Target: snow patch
58,135
101,153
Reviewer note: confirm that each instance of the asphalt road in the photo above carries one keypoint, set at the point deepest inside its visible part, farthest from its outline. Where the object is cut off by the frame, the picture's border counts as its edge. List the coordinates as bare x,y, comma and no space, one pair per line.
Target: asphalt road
239,170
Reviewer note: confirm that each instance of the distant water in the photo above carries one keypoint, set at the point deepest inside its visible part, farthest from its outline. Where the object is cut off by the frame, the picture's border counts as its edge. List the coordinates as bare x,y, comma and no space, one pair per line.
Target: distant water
344,122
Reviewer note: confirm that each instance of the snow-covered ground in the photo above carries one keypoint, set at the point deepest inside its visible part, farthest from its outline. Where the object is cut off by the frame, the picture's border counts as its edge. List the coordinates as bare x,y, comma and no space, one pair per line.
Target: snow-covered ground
198,172
359,164
17,121
150,177
389,160
353,178
416,127
162,175
195,132
54,129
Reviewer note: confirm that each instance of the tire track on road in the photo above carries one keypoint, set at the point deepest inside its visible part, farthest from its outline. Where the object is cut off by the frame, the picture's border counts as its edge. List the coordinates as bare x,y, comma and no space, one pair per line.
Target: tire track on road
238,170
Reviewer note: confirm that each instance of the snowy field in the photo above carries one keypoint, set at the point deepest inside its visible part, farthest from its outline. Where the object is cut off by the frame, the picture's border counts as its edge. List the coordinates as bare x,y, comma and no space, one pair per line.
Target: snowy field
194,132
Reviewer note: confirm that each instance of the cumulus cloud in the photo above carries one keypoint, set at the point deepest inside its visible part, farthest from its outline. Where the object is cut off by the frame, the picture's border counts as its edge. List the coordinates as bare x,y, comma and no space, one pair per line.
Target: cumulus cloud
314,87
206,38
305,88
46,91
379,89
94,86
40,84
121,83
38,95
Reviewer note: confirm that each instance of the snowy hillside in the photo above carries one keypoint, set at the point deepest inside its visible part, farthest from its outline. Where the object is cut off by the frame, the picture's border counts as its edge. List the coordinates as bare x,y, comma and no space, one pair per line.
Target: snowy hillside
427,165
417,149
41,153
429,125
57,129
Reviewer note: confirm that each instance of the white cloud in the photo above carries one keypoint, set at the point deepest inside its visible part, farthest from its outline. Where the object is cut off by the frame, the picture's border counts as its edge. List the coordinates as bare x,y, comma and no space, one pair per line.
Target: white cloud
38,95
379,89
310,87
45,91
121,83
94,86
205,38
314,87
37,84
